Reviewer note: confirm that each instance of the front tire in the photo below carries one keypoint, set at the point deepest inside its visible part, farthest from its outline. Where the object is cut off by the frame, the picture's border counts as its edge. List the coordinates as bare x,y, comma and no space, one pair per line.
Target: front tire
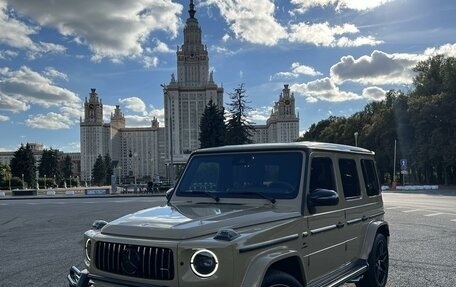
276,278
377,274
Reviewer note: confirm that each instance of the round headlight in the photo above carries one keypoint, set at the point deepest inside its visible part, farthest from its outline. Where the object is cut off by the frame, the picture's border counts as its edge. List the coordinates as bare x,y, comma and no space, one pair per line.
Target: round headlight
88,248
204,263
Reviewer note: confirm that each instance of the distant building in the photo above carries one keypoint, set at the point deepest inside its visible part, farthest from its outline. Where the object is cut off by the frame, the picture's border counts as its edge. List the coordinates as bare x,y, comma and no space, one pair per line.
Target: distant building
283,123
145,153
136,152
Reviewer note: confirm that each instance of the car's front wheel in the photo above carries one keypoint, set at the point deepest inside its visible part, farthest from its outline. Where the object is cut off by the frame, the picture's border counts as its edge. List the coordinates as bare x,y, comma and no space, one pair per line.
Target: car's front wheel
275,278
377,274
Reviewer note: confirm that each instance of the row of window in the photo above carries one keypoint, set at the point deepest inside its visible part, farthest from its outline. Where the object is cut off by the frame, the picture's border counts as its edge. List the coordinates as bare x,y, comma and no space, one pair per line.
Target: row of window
323,176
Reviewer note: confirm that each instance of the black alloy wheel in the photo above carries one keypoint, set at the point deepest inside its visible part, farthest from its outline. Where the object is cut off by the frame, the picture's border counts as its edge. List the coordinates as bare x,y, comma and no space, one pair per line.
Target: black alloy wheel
377,274
276,278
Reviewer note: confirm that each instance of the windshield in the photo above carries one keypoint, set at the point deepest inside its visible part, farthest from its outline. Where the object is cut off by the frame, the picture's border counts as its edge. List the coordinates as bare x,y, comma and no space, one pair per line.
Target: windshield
268,175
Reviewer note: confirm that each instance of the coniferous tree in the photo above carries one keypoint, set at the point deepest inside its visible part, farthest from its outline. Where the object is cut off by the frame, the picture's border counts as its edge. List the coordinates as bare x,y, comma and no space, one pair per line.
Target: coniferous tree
67,167
99,171
108,168
23,163
50,164
238,129
212,126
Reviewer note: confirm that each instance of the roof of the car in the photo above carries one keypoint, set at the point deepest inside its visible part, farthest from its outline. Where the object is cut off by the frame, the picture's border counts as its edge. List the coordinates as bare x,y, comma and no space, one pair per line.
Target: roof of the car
284,146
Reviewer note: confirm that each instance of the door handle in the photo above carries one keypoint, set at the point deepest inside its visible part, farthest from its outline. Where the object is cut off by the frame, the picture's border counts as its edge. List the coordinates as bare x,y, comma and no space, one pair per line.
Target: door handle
340,224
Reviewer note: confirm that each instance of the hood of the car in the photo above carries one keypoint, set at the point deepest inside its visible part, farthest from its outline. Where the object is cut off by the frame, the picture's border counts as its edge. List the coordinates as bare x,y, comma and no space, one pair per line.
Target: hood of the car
177,222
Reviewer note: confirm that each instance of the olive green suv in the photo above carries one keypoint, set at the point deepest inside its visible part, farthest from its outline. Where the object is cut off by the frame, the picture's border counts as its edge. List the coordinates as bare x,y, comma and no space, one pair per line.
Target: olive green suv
298,214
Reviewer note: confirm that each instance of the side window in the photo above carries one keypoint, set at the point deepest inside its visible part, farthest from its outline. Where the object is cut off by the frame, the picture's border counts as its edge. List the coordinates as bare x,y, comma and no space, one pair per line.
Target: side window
349,177
370,177
321,174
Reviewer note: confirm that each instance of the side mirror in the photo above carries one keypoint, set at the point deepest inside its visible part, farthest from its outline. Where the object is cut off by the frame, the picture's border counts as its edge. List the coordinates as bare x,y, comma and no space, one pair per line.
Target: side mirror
322,197
169,194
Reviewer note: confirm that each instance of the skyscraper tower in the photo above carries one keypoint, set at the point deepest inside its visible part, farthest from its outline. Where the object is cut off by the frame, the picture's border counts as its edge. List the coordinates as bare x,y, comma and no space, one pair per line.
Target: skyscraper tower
93,135
186,97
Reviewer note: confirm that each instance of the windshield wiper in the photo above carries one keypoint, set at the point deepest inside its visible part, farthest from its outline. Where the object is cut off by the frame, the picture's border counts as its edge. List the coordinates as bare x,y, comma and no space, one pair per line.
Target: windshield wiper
207,193
260,194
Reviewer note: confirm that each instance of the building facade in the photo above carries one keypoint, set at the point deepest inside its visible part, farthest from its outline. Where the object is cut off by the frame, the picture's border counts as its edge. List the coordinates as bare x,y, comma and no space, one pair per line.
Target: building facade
136,153
148,152
186,97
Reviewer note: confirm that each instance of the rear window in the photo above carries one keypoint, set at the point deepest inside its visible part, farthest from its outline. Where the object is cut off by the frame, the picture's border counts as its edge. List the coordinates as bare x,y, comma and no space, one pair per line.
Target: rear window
370,177
349,177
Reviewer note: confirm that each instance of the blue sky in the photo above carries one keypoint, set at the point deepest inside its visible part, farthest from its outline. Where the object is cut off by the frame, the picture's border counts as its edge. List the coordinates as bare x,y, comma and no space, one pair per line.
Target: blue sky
336,55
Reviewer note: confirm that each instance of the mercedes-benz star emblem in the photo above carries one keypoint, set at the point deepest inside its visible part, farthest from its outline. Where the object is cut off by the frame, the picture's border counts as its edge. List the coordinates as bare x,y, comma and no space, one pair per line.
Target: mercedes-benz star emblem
130,260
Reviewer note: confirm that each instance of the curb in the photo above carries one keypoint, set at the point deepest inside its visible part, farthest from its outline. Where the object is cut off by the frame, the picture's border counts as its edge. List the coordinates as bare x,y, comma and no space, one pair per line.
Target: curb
63,196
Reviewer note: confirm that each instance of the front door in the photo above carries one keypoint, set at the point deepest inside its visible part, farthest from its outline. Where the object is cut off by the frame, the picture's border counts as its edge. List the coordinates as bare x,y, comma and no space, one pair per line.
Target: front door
324,241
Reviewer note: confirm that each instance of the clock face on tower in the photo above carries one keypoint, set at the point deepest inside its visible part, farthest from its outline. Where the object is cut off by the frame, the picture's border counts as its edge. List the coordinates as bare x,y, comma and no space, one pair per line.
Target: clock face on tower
91,106
287,102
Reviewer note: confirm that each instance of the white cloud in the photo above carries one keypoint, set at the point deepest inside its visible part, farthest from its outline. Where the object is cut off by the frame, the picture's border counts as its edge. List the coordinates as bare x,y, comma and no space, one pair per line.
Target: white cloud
28,86
323,34
222,50
8,103
8,54
54,74
448,50
357,42
16,34
226,37
107,111
359,5
145,120
112,29
252,21
325,90
297,69
259,114
161,47
3,118
374,93
379,68
150,62
134,104
50,121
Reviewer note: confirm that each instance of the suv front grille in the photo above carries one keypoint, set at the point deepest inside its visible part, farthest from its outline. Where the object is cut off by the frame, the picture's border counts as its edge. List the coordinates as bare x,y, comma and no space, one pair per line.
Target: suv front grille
136,261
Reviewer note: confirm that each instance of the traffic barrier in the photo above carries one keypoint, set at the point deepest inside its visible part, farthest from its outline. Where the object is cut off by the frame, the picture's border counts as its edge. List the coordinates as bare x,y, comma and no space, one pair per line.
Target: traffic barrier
69,192
50,192
2,194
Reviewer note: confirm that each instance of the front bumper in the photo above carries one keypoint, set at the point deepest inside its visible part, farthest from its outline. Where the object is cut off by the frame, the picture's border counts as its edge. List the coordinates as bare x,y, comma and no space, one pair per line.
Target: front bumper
78,278
83,278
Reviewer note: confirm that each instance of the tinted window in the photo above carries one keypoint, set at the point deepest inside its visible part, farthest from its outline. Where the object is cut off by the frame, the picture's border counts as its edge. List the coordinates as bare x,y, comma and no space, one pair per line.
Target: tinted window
370,177
349,177
276,174
321,174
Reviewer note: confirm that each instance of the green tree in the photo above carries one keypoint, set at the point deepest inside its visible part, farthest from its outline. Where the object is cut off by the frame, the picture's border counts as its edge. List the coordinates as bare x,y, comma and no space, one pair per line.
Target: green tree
5,175
212,126
238,129
23,163
108,168
99,171
50,164
67,167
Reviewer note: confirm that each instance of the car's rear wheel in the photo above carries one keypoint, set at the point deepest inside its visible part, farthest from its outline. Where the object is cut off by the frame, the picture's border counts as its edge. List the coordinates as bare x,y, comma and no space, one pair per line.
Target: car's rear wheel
377,274
275,278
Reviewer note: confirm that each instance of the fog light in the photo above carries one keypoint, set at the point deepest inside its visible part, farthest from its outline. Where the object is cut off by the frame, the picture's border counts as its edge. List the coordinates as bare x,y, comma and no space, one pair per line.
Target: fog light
204,263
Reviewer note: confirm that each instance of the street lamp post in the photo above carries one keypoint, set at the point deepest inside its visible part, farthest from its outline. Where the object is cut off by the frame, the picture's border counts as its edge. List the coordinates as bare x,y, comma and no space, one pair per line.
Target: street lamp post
23,183
356,138
171,152
45,182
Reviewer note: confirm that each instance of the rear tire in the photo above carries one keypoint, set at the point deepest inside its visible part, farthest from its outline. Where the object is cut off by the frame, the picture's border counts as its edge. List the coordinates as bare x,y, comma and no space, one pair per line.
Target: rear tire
275,278
377,274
